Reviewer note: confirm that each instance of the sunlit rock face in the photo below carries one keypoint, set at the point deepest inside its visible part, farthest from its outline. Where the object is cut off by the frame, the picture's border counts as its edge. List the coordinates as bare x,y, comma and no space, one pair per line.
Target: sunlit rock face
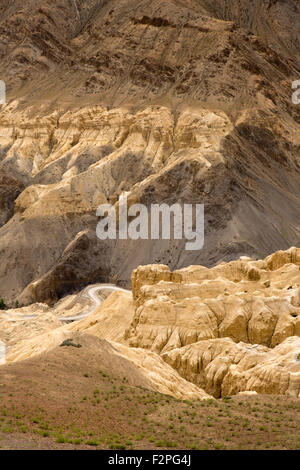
222,367
228,329
194,332
168,102
255,302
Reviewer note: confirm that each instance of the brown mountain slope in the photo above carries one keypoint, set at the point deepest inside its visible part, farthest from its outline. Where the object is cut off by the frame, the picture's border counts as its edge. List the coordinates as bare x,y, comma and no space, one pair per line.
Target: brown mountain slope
89,397
172,101
186,354
232,328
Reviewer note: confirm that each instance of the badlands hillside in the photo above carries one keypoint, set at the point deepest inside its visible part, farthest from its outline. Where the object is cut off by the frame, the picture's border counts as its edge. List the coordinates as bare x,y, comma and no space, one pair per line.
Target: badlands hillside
144,344
171,101
166,365
232,328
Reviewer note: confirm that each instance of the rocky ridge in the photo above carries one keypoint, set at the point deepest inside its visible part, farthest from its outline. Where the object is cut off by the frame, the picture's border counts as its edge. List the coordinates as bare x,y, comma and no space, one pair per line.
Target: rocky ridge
170,102
230,329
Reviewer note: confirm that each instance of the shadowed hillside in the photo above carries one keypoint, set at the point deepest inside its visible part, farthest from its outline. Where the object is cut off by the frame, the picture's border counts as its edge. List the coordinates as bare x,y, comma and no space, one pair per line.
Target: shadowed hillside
170,101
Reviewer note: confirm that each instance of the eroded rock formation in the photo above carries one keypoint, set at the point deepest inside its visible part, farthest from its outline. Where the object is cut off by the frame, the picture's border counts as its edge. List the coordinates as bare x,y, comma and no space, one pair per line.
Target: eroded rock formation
170,102
229,329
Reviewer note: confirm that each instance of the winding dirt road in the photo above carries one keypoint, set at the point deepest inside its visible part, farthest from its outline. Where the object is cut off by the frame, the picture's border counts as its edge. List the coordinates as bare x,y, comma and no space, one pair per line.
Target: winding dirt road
90,293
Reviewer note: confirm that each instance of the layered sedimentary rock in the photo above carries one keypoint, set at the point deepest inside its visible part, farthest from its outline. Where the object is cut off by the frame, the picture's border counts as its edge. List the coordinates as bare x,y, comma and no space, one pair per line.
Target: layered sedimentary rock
222,367
255,302
229,329
171,102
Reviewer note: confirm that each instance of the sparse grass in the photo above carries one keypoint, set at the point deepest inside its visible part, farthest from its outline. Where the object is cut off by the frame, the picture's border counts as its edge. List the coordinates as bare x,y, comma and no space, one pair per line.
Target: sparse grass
83,413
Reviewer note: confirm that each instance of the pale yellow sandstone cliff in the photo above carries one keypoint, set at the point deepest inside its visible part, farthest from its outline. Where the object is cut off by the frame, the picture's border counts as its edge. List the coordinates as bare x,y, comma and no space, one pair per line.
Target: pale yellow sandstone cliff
229,329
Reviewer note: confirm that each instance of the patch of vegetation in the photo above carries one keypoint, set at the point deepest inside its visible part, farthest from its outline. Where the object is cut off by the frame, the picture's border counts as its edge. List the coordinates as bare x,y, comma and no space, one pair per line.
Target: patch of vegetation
70,342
